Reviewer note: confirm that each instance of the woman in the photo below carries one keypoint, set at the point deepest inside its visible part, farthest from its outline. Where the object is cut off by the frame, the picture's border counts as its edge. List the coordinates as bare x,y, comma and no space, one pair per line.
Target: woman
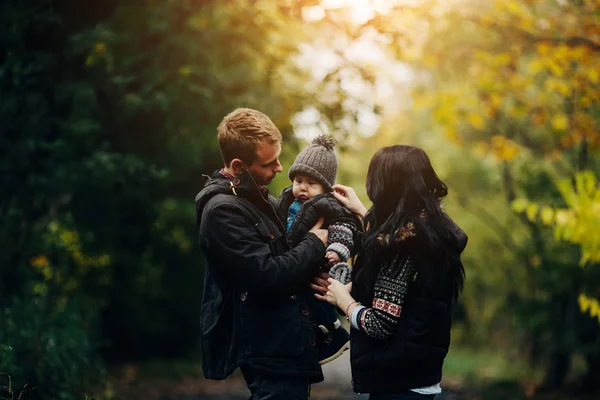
407,276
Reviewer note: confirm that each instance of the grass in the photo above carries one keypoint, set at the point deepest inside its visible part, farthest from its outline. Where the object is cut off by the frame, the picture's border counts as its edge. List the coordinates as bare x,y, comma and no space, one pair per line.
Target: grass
163,369
486,364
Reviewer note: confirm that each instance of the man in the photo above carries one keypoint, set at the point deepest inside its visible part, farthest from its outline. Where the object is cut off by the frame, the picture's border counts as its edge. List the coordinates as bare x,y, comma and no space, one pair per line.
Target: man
252,316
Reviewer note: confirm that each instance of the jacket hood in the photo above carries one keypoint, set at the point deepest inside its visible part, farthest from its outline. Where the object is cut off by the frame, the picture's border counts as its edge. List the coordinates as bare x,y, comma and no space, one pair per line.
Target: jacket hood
215,184
460,237
406,234
242,185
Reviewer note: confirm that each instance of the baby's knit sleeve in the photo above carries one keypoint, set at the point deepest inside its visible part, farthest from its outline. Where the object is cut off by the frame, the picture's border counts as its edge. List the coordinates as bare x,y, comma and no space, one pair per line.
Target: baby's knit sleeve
341,240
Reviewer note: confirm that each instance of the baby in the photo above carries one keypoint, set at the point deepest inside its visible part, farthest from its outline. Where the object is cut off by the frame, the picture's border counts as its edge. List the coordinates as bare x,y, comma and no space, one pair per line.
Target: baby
308,199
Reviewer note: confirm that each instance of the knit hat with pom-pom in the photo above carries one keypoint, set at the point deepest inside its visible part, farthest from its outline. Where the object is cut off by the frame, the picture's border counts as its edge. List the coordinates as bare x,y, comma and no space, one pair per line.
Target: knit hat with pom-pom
317,161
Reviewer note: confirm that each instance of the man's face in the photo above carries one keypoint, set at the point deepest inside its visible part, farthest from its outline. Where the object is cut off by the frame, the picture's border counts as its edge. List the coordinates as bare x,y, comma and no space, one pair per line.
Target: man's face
266,165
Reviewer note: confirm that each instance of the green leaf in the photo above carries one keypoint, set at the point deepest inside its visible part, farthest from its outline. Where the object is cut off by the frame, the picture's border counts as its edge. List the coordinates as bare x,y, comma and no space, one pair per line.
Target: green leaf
547,215
519,205
531,211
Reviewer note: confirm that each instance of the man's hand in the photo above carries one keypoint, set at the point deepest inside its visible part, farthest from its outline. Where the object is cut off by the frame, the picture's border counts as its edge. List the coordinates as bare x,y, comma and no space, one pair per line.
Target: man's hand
319,283
320,232
332,257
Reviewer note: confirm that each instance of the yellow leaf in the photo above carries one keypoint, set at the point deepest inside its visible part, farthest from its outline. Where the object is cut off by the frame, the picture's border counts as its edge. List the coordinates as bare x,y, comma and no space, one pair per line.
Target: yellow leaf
544,49
452,135
556,69
531,211
429,60
563,88
561,52
562,217
513,7
590,305
555,155
520,204
584,302
595,309
502,59
100,47
547,215
498,141
185,71
39,261
585,101
535,67
593,75
40,289
421,102
47,272
476,121
520,112
443,113
560,122
507,152
504,148
496,100
481,149
539,118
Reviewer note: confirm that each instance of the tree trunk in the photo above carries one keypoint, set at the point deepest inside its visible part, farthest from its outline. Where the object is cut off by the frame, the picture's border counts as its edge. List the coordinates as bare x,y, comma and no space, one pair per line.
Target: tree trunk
560,363
590,379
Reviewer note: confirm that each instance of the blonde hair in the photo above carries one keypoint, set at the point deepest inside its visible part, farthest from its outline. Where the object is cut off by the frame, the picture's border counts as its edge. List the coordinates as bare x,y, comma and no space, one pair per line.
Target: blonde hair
241,131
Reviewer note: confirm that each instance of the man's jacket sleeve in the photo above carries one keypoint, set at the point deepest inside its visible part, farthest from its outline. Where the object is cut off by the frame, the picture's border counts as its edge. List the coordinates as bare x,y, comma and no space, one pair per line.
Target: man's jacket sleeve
231,242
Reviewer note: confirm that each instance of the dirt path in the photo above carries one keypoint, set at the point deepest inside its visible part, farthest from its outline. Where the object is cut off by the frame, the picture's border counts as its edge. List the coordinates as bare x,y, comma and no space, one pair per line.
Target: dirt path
129,384
336,386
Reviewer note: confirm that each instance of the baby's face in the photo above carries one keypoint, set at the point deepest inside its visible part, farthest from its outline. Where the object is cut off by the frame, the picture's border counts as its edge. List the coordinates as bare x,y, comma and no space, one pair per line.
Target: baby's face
306,187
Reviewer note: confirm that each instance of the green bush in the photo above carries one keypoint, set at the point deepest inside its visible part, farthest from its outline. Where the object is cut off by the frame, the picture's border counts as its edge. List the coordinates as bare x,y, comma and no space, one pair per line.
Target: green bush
47,353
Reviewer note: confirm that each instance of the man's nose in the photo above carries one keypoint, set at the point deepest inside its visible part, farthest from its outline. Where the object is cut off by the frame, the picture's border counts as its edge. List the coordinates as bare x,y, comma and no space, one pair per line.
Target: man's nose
278,167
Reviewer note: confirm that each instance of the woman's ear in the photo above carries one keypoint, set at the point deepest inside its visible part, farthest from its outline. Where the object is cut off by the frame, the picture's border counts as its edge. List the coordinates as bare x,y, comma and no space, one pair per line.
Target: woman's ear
237,166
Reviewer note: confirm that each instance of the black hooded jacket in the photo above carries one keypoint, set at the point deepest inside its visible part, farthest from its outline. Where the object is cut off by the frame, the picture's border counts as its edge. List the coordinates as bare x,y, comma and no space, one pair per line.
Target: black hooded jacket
251,314
413,356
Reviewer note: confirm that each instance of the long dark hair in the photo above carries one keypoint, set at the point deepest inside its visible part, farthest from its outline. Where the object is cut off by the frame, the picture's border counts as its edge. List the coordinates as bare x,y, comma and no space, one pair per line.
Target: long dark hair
406,192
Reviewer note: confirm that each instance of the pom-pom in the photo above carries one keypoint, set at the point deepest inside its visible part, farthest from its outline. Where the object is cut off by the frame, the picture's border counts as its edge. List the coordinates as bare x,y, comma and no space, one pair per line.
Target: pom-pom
325,141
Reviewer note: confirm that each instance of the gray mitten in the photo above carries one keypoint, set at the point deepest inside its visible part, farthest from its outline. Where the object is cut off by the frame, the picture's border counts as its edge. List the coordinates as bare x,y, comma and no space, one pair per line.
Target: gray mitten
341,272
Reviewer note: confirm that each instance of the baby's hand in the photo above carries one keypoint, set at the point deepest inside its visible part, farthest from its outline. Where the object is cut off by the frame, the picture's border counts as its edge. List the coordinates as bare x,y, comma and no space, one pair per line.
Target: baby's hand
332,257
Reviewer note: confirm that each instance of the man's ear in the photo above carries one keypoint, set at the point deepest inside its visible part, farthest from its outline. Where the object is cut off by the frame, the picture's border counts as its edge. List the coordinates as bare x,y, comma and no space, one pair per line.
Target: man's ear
237,166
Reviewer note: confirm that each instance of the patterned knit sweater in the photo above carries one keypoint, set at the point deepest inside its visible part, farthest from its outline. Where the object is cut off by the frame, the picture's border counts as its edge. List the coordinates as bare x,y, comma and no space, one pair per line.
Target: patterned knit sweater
379,320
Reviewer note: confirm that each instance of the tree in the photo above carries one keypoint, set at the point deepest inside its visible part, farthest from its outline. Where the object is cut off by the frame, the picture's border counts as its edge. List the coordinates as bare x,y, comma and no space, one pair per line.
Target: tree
108,123
517,81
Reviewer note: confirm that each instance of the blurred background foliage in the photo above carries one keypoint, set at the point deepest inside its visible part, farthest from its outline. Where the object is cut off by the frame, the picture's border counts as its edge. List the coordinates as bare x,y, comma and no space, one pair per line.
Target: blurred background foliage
108,115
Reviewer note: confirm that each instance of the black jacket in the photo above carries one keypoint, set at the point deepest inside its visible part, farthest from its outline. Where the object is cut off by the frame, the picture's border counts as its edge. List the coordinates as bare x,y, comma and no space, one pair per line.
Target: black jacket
413,356
251,314
323,205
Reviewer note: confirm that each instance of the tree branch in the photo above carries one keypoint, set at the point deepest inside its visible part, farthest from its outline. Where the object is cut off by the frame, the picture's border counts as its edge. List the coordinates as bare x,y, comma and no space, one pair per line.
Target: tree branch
512,30
569,41
490,220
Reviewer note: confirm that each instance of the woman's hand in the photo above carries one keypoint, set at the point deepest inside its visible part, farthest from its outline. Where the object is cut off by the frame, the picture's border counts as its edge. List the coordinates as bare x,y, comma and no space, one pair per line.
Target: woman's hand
337,294
347,196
